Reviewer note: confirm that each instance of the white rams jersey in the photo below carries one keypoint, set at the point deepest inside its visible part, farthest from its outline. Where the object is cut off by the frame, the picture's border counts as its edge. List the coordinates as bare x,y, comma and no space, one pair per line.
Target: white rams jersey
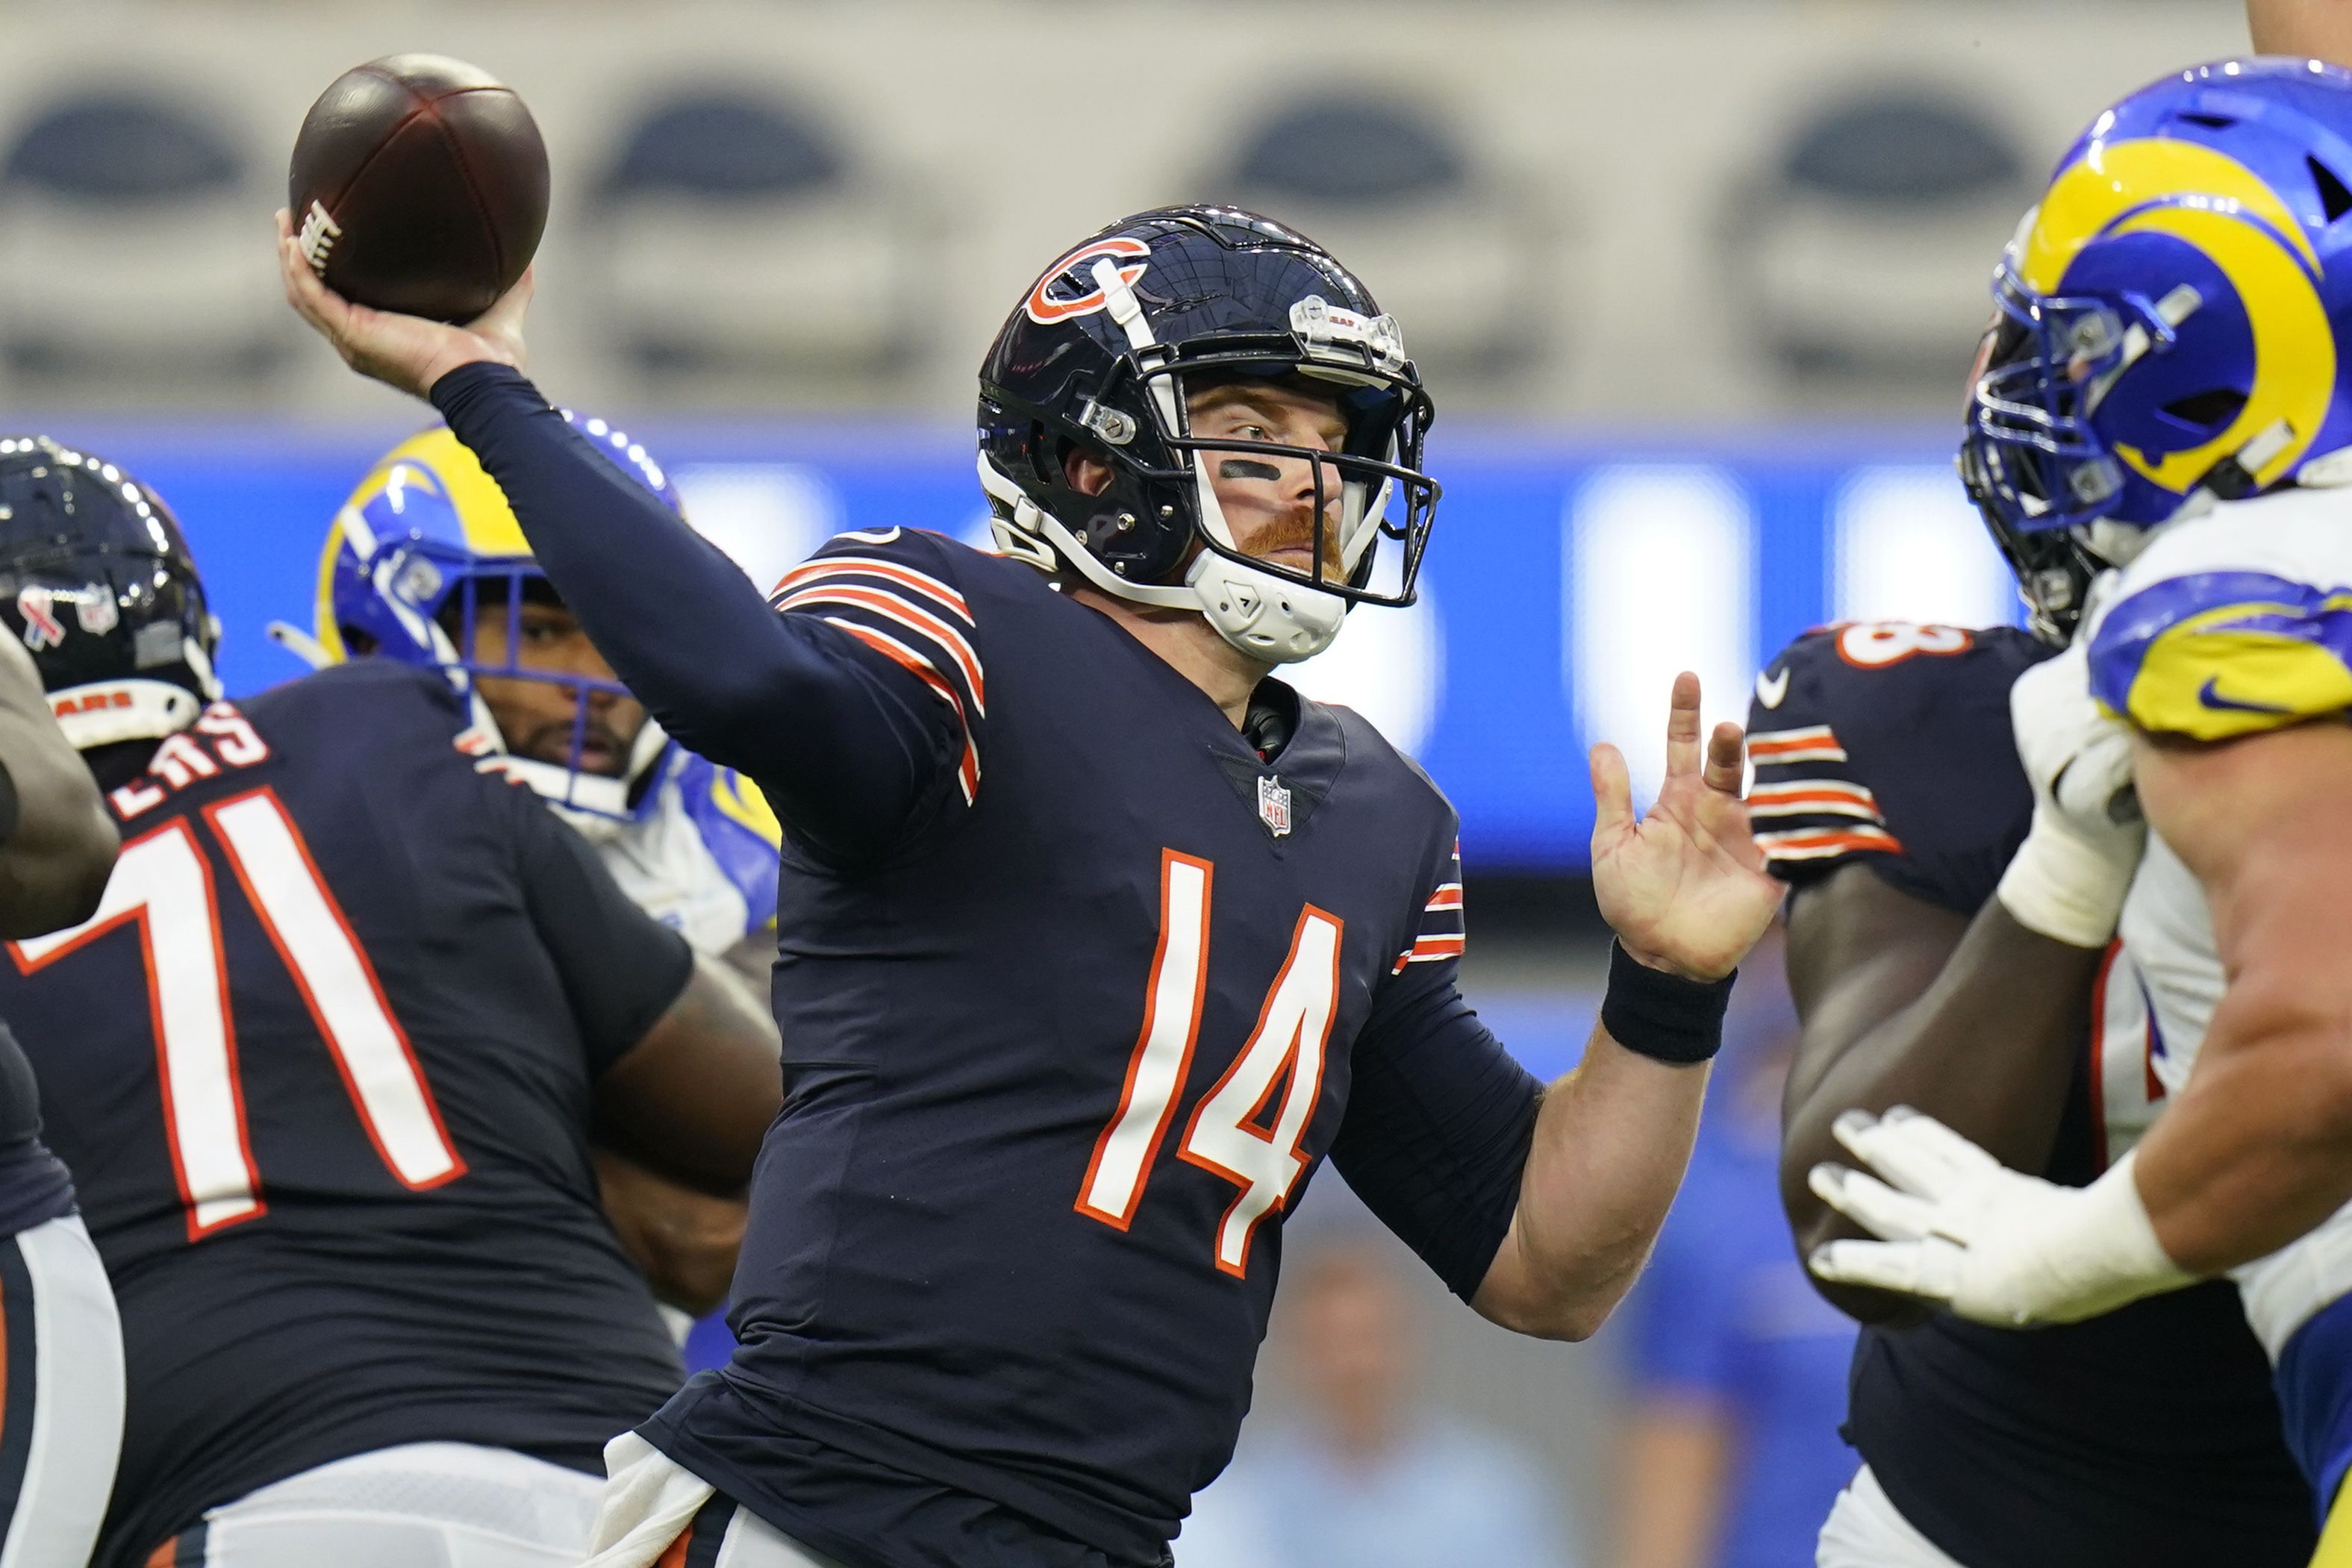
700,855
2229,623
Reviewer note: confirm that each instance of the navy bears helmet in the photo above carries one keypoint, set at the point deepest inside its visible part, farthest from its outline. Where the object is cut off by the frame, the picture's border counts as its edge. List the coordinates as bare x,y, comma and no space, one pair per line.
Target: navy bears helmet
1100,355
97,583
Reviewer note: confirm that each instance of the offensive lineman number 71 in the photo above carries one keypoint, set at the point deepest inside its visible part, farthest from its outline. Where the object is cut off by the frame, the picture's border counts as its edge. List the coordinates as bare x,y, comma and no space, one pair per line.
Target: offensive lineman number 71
162,884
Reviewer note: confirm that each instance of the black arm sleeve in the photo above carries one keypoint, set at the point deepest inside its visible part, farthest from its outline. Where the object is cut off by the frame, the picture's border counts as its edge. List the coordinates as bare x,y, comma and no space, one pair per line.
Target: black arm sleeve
848,748
621,968
1440,1120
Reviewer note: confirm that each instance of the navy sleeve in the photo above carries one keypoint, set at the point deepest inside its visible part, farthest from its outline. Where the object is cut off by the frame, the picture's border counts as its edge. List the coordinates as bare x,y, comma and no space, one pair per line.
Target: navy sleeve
848,743
621,968
1888,745
1439,1117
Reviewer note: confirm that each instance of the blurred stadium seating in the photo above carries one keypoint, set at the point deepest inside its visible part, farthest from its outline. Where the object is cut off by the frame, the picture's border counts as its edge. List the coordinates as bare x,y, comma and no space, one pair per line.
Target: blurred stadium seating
1864,247
1694,284
128,230
801,268
1585,210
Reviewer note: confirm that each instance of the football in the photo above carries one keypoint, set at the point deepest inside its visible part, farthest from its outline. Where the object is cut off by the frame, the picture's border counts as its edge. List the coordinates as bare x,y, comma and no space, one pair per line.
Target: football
419,185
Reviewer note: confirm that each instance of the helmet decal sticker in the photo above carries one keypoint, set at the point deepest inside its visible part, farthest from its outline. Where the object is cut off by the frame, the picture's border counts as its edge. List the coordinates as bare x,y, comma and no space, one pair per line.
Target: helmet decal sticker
2240,223
42,627
96,610
1044,307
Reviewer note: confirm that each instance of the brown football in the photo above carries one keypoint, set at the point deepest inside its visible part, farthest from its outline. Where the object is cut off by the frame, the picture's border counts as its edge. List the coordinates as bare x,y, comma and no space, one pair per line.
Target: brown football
419,185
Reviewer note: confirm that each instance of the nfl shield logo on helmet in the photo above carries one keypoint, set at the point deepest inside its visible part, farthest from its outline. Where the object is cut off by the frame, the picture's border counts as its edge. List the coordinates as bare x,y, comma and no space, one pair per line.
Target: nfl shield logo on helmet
1274,805
97,611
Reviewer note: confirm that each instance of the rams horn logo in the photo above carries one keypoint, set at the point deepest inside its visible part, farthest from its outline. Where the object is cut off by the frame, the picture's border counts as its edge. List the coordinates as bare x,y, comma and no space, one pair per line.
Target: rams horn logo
2227,213
1045,310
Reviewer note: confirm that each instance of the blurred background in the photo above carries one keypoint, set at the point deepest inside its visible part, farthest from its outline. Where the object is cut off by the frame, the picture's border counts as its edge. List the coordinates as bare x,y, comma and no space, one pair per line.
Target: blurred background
1694,284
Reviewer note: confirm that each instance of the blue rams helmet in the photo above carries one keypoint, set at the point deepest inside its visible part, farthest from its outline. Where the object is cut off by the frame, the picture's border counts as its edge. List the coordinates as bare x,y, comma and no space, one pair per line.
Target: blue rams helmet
1099,355
98,585
2168,321
427,545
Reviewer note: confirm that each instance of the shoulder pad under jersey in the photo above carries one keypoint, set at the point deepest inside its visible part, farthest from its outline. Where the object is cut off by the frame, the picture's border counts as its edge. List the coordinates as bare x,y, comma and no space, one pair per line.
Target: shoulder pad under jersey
2234,621
1890,742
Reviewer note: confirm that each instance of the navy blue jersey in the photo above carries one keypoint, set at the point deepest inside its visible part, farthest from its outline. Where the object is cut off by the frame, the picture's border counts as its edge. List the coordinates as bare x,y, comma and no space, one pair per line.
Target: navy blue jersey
1078,984
321,1063
2147,1439
33,1185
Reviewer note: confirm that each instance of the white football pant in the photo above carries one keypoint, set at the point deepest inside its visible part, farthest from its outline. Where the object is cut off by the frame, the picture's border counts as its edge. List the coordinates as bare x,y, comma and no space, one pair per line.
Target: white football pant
656,1512
1865,1530
420,1505
61,1415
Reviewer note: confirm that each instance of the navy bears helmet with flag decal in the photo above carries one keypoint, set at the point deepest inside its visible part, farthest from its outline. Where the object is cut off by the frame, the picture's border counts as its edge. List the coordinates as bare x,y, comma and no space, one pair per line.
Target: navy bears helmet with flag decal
98,584
1100,355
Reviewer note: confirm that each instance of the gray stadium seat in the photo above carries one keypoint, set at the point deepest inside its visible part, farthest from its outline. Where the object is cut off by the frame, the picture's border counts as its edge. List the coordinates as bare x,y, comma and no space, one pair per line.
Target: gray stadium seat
1861,251
794,259
1394,192
132,236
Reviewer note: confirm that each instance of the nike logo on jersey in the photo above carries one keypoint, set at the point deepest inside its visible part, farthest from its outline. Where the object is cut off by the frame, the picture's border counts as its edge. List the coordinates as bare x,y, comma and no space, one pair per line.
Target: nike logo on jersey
1771,689
2220,704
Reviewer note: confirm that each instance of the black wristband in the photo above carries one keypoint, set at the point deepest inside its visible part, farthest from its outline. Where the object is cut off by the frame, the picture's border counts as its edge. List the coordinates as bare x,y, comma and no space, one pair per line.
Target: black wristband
1664,1016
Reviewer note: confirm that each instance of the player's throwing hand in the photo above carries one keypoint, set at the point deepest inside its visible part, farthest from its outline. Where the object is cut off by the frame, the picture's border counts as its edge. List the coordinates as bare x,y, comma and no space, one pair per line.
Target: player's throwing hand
1684,887
406,352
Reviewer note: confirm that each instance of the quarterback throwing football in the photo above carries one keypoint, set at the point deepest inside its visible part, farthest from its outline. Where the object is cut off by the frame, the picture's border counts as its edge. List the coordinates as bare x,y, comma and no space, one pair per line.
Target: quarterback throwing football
1096,937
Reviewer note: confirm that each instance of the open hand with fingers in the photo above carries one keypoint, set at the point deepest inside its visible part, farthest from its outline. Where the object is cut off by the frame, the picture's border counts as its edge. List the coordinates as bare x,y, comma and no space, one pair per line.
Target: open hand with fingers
1961,1229
1684,887
407,352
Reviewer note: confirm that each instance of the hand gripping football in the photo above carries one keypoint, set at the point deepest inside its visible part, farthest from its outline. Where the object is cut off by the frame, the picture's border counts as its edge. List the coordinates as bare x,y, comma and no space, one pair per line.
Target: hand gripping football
419,185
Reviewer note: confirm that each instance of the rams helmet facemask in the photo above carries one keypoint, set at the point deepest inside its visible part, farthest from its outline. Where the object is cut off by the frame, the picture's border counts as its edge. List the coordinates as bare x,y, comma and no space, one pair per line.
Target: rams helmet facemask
2169,312
2054,567
428,547
1100,356
97,583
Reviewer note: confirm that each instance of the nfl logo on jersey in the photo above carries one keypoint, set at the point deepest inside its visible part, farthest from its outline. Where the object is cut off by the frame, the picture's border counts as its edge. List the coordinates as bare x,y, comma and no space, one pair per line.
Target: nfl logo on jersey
1274,805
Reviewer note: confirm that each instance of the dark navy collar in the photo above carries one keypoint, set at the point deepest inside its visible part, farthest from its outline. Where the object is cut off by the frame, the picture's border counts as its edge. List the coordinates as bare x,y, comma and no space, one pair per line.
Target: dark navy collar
1308,749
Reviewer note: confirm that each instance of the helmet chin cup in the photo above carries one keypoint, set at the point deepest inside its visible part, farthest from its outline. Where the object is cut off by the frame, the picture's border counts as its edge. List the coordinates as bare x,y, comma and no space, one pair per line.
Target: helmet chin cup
1266,616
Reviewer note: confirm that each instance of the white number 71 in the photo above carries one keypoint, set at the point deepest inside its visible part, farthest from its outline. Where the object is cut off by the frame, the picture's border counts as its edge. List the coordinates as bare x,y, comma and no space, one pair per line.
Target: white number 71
162,884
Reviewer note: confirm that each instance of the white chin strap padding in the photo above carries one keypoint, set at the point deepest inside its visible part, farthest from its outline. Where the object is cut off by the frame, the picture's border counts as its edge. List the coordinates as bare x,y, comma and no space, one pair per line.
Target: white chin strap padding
104,712
1266,616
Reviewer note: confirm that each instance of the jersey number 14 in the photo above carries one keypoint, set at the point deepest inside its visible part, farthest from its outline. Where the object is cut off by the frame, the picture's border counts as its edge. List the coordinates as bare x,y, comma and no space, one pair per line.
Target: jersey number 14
1226,1134
164,884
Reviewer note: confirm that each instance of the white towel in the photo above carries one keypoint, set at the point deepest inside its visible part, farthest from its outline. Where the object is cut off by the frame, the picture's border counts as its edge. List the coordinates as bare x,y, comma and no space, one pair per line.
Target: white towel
649,1501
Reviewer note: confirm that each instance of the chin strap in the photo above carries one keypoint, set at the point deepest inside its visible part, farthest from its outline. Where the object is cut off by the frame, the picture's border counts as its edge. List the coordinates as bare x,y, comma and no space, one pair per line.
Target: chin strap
1266,616
299,643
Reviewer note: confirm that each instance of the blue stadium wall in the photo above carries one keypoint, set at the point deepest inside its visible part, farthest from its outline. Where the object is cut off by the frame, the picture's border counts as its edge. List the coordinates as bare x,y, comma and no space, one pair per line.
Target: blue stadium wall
1566,577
